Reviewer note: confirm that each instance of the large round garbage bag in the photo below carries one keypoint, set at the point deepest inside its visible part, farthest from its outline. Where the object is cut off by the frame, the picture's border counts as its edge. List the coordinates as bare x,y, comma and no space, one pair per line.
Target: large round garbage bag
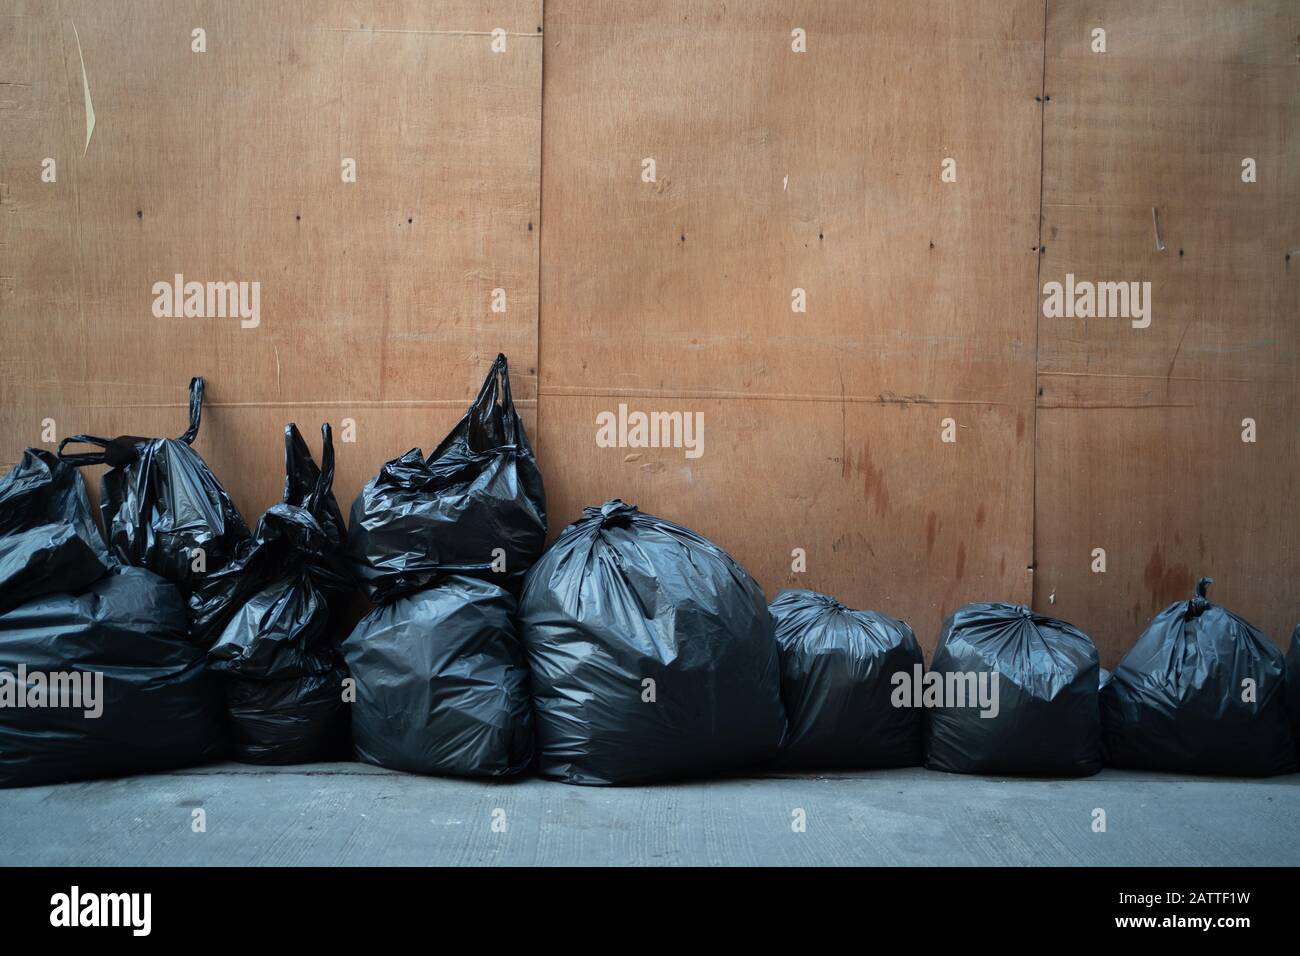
652,654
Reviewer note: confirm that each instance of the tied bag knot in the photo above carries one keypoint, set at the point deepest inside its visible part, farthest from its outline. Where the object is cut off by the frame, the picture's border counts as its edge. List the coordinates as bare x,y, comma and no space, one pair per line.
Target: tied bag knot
614,513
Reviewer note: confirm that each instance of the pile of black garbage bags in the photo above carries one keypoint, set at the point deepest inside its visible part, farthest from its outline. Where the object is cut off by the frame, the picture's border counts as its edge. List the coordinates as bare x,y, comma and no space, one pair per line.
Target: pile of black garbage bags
442,544
101,675
631,650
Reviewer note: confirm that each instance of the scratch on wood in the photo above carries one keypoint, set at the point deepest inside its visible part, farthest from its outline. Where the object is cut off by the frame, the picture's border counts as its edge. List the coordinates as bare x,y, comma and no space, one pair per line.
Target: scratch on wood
1155,218
1088,406
85,89
1138,378
1176,351
844,448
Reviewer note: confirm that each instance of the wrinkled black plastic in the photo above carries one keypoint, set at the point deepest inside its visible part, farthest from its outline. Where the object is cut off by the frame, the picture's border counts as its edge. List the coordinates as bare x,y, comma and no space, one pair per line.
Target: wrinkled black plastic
1175,700
1047,721
267,615
41,490
161,708
158,704
48,539
441,683
31,560
479,491
288,721
837,669
160,501
622,599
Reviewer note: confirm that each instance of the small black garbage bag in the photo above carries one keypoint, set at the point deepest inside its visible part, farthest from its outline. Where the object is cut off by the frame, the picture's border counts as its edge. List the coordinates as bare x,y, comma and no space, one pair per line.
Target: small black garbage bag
48,538
1010,691
838,668
42,490
1202,691
441,683
161,503
474,503
268,616
98,675
652,654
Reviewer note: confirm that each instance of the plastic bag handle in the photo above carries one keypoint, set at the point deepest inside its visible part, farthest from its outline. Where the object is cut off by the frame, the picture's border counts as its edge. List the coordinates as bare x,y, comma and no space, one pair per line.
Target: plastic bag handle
497,386
325,481
196,410
121,450
77,459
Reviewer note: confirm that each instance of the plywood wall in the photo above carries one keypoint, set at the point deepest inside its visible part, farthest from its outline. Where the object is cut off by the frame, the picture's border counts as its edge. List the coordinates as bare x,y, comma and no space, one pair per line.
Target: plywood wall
775,171
227,165
1139,447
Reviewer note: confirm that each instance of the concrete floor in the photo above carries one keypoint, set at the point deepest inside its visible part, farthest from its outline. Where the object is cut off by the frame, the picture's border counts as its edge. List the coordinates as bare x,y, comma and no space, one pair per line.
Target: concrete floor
347,813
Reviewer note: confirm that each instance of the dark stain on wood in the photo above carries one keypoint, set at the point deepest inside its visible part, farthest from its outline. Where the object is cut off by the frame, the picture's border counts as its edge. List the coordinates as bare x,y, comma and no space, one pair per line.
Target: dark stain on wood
1166,583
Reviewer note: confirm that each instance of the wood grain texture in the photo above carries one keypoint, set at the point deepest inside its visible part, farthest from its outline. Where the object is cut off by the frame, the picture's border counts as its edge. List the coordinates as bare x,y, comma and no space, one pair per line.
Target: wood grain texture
820,171
1139,446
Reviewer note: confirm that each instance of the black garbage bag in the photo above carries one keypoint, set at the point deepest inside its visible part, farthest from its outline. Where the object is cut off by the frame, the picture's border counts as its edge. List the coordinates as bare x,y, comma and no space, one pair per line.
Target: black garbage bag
652,654
1015,692
161,504
41,490
1202,691
305,531
271,614
474,503
98,682
441,683
288,721
838,668
124,642
48,538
